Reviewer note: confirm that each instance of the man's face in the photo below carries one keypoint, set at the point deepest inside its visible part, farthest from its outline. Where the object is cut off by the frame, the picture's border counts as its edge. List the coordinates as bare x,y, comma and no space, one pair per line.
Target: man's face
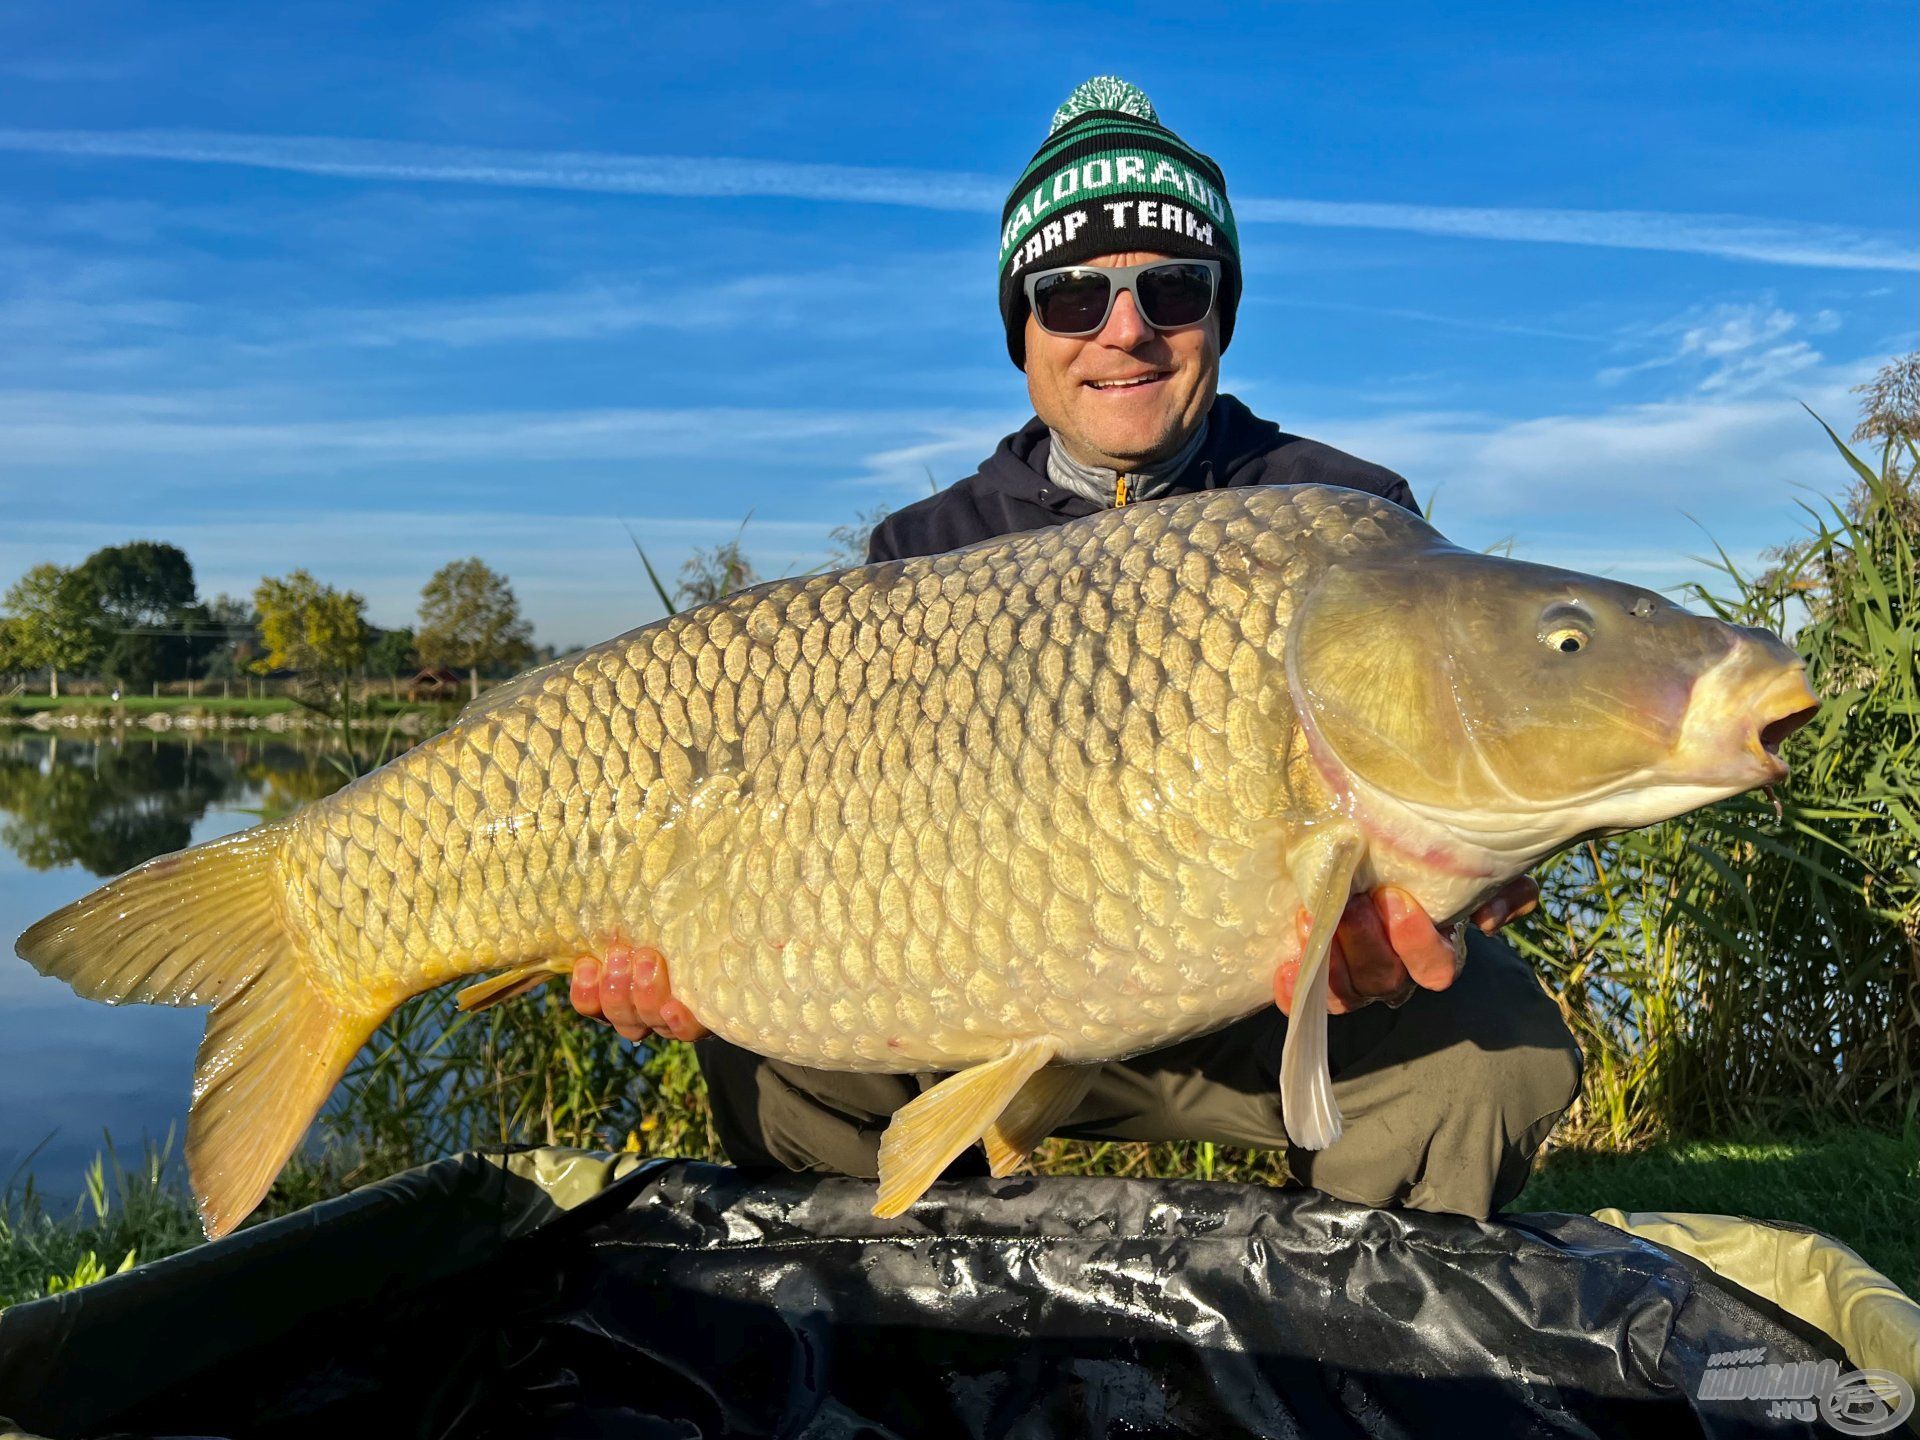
1126,426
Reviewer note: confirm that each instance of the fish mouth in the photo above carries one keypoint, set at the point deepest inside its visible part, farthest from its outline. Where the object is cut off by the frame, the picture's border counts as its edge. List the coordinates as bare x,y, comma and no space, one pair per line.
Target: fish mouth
1779,710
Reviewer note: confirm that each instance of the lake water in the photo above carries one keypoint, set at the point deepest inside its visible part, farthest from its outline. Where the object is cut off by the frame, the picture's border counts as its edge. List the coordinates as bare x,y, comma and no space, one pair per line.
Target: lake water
77,807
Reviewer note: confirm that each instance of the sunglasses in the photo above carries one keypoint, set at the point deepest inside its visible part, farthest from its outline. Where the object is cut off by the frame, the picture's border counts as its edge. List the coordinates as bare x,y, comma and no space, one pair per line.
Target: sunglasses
1076,299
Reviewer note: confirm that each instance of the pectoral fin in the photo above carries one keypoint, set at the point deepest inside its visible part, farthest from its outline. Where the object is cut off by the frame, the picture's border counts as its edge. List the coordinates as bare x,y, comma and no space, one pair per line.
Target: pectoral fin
929,1132
508,983
1043,1103
1323,870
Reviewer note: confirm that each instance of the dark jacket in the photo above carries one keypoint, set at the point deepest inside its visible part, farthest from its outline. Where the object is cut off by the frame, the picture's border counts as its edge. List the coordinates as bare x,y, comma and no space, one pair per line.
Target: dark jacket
1011,492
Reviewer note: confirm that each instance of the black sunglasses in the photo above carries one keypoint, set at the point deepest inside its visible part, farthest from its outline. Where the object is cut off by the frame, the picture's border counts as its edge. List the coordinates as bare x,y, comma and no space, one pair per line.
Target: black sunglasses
1076,299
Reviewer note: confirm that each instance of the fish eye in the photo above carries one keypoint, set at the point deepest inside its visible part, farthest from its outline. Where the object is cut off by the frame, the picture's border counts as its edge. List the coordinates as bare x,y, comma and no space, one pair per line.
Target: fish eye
1566,628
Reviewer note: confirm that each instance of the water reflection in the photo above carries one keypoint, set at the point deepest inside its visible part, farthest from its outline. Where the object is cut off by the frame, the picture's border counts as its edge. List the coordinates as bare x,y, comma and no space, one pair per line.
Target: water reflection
76,808
108,802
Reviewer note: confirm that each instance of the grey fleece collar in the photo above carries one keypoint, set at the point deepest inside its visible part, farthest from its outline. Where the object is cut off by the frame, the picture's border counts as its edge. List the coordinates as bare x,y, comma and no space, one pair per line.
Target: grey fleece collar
1101,486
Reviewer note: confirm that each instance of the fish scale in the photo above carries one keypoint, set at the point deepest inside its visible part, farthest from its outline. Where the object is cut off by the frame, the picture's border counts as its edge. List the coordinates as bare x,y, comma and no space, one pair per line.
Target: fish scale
1007,811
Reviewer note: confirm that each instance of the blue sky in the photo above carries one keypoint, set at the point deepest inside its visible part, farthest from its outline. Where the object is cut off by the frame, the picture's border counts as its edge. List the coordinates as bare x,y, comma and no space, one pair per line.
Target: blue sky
365,288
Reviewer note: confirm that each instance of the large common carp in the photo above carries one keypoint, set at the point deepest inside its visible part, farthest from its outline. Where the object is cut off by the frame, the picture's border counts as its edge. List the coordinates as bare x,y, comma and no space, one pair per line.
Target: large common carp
1049,800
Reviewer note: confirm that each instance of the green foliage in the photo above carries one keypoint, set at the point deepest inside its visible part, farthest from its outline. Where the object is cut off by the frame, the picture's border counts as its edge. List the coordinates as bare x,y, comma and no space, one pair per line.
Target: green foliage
13,653
55,623
322,633
309,627
392,653
138,1214
434,1081
470,620
233,638
147,609
124,1216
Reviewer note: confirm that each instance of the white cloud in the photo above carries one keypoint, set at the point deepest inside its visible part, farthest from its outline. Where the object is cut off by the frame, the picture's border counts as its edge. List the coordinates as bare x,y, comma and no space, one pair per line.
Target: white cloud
1730,348
1728,236
1634,490
51,71
1734,237
80,431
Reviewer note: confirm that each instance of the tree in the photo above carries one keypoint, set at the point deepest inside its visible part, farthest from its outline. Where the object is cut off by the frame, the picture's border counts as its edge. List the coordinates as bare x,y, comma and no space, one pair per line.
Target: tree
234,636
391,652
147,603
312,628
470,619
13,658
55,615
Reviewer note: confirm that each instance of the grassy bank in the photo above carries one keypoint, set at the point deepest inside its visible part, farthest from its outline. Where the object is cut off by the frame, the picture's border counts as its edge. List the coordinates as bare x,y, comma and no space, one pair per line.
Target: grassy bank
1858,1185
22,707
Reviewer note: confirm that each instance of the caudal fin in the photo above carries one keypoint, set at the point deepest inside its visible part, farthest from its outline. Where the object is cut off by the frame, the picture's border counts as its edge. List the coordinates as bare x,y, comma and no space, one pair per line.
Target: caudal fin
204,927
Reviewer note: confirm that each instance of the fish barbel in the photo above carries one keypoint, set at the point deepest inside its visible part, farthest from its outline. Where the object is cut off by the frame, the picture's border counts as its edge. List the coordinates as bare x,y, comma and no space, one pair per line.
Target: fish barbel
1049,800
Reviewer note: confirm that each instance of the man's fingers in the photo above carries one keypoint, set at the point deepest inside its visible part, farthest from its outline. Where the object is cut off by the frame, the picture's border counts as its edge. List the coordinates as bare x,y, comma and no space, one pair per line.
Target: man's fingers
1427,954
1341,998
678,1022
1283,982
583,987
1519,896
631,991
1373,970
653,997
616,995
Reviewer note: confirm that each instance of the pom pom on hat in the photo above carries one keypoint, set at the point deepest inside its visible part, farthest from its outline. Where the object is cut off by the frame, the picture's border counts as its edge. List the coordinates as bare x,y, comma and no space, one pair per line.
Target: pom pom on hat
1104,92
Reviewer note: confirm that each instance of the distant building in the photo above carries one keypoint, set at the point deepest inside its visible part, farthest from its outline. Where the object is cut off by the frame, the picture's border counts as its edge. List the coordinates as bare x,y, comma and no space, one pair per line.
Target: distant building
437,682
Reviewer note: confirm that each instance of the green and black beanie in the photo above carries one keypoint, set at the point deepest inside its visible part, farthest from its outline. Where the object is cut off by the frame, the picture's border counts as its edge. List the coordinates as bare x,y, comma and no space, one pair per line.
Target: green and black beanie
1109,178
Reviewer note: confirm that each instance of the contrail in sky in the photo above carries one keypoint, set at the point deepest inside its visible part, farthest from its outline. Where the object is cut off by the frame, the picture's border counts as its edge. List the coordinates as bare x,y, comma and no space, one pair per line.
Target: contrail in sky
1729,236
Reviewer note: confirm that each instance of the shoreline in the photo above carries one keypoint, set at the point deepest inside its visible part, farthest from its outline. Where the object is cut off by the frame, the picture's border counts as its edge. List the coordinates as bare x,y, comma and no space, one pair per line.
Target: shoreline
274,715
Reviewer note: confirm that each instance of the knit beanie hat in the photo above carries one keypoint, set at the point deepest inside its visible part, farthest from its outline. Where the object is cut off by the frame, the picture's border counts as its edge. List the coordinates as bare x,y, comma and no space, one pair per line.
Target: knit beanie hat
1111,178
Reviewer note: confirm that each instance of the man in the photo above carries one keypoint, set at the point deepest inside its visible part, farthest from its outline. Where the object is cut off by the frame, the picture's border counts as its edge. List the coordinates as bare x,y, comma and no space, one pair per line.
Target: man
1119,281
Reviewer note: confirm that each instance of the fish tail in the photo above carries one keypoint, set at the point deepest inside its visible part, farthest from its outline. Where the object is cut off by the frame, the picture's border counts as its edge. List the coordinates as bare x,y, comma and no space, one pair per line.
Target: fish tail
205,926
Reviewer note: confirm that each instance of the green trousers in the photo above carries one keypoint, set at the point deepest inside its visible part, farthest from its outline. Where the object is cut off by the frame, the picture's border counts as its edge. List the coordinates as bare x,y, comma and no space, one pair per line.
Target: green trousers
1446,1099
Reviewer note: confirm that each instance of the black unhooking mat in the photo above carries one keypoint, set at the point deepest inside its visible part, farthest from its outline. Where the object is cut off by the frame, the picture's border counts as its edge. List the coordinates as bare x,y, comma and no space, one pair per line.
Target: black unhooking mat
690,1300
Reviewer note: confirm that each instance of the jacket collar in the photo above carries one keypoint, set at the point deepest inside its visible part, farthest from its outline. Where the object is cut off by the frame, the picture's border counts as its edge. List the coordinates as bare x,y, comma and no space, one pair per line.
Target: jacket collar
1236,438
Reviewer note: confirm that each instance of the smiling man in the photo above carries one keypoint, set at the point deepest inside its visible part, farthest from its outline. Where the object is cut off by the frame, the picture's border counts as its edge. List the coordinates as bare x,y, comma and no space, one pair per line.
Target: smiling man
1119,281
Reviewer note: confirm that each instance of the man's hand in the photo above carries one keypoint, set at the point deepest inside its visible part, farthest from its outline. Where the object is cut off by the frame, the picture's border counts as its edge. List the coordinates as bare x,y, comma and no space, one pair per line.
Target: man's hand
629,990
1386,946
